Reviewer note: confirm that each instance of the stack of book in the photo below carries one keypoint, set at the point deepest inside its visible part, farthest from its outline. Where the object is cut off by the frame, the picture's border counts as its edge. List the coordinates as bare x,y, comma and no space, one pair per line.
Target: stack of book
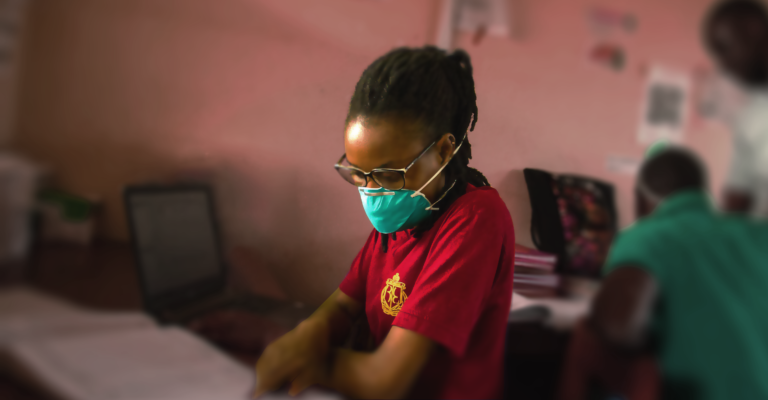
535,273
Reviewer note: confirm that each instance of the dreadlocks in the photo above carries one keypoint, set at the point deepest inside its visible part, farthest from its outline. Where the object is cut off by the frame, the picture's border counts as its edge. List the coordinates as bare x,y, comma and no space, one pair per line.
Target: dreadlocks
434,89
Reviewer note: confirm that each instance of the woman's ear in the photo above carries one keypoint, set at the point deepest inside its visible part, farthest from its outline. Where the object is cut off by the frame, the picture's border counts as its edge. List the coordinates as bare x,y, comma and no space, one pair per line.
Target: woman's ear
446,145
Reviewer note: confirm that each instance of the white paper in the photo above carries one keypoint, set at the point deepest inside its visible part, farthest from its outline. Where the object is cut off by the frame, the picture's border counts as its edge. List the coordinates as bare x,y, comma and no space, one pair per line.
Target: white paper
565,313
470,16
557,313
476,14
665,109
140,364
519,302
80,354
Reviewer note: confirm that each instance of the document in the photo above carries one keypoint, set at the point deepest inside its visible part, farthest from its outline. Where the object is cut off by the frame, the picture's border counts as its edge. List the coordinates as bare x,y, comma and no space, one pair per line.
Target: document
80,354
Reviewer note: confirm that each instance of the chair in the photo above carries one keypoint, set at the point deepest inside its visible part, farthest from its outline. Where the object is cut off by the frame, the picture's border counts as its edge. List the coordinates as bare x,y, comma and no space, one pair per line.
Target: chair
592,369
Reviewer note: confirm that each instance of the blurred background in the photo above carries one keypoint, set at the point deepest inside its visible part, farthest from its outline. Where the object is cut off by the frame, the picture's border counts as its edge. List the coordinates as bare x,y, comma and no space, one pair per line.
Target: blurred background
252,95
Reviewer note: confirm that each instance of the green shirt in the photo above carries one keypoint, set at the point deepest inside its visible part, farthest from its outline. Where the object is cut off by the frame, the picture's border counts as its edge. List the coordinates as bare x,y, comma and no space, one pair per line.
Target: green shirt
712,316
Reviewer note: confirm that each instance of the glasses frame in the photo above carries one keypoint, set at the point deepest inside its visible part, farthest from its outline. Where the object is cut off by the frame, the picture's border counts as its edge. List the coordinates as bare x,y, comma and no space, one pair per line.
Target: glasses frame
369,175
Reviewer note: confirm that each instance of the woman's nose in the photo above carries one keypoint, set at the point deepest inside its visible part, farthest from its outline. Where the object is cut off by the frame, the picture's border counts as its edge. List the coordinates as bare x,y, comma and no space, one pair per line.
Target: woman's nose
372,184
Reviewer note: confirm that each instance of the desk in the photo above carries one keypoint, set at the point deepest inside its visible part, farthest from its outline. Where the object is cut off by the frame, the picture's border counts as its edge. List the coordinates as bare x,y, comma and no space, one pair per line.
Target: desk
101,278
104,277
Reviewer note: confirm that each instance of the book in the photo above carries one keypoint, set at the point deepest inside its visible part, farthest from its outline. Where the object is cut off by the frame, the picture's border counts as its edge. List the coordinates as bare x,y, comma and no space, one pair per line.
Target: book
523,269
530,258
534,273
535,265
552,281
533,291
79,354
529,254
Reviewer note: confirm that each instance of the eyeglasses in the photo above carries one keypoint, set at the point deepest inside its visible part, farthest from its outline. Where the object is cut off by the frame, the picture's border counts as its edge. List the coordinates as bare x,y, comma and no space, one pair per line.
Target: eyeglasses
388,178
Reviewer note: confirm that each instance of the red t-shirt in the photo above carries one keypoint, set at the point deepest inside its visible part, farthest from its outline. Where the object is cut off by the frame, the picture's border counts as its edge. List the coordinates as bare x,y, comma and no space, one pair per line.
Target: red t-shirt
453,285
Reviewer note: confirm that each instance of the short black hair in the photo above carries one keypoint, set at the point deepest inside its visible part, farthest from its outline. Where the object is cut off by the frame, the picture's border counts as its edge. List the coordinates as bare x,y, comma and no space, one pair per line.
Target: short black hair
433,88
736,11
673,170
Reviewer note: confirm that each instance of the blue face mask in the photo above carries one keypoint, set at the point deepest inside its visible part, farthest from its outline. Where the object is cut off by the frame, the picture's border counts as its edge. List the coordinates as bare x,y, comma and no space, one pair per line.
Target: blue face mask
397,210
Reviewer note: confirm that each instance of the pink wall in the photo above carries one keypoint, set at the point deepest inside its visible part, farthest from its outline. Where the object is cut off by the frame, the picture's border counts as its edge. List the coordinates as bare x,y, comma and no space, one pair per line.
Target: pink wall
253,93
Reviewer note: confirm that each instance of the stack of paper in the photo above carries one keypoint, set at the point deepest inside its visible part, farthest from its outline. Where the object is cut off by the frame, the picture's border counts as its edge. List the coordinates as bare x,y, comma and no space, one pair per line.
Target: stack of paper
77,354
138,363
534,272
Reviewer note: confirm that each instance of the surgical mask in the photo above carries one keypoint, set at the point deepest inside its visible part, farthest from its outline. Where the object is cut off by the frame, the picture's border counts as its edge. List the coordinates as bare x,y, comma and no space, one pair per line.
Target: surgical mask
397,210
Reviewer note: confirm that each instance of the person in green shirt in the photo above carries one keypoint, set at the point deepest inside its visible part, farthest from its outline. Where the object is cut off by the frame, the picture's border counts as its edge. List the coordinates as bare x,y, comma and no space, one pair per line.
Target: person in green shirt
690,284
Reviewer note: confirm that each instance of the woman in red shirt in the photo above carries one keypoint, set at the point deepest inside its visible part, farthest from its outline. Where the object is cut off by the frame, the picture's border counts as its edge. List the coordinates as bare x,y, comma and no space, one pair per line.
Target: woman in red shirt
434,279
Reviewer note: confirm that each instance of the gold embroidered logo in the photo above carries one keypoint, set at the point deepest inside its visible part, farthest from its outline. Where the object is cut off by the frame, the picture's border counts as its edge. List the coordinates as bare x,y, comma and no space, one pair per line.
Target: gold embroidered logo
392,299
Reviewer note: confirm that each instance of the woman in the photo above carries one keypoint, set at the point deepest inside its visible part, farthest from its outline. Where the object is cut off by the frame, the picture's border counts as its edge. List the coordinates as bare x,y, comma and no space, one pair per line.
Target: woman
434,279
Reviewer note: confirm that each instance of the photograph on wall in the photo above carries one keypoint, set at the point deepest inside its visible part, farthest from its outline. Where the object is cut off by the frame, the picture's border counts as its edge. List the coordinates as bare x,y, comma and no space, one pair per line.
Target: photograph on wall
665,107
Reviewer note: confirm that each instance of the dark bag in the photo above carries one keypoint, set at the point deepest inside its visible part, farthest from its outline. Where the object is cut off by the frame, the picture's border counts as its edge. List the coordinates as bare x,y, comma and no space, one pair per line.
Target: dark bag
573,217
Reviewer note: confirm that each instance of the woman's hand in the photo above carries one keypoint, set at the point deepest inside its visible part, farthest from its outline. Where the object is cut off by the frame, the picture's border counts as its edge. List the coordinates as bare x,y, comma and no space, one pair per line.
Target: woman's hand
299,357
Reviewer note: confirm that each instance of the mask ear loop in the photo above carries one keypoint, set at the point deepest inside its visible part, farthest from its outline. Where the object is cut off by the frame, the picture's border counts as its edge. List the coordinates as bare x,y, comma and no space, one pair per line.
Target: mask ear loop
418,192
431,208
648,193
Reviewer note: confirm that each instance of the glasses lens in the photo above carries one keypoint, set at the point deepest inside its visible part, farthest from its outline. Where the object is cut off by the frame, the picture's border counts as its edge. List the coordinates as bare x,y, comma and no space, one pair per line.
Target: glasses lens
389,179
352,176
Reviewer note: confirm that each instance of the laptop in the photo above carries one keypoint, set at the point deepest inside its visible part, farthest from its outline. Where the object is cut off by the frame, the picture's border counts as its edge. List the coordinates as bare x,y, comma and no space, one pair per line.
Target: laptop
181,268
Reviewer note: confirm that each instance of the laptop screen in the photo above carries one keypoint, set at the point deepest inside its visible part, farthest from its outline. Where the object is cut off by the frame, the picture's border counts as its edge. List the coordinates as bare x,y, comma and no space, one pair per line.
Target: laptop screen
175,238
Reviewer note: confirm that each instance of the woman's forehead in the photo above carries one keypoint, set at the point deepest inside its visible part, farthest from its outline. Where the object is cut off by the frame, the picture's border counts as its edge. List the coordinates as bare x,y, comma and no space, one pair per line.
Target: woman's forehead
372,143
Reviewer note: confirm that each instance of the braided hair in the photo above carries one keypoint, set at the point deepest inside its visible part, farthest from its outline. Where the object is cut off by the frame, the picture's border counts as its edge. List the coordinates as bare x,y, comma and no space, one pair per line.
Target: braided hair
434,89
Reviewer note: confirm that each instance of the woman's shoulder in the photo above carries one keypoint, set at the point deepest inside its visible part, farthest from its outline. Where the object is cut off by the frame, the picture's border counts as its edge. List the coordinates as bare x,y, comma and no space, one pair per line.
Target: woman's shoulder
481,202
480,214
481,197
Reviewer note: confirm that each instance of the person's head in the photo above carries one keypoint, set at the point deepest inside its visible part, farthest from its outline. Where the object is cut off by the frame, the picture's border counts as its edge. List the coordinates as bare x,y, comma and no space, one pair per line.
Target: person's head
406,101
736,34
665,173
